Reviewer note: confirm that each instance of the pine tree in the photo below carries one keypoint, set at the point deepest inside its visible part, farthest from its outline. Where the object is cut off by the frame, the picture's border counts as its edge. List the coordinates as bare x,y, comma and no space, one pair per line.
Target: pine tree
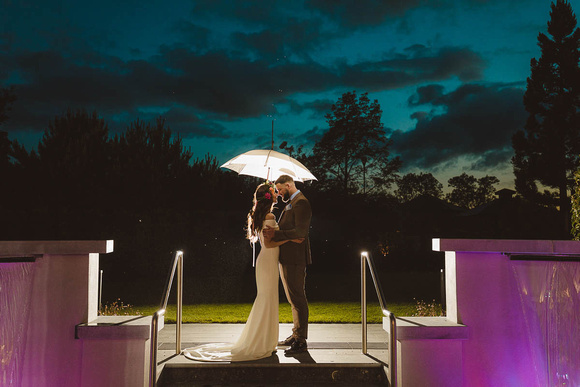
547,149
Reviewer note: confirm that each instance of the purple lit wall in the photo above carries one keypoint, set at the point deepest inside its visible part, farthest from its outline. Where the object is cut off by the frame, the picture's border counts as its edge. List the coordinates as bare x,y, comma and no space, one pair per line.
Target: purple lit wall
523,316
15,294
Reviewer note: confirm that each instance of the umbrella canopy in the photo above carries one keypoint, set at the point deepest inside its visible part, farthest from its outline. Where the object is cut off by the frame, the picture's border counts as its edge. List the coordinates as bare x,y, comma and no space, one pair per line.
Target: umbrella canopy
269,165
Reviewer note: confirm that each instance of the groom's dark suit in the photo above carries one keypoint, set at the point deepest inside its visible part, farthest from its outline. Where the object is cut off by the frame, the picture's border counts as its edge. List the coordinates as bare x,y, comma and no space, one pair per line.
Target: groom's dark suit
295,223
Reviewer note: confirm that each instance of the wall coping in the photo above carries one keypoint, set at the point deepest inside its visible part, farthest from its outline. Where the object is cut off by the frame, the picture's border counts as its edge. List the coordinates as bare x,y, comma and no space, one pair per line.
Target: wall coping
117,328
427,328
22,248
550,247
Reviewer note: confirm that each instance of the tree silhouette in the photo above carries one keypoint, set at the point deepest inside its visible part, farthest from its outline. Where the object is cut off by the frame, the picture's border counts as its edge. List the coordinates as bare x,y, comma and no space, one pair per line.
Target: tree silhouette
470,192
74,157
7,97
353,155
413,185
148,164
547,149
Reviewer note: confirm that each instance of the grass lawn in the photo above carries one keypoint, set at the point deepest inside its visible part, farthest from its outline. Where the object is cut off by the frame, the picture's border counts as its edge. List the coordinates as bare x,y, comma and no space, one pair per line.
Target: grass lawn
320,312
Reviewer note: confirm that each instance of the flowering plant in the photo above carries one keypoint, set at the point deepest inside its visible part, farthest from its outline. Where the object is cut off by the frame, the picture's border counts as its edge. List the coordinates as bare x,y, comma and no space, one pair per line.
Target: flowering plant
272,190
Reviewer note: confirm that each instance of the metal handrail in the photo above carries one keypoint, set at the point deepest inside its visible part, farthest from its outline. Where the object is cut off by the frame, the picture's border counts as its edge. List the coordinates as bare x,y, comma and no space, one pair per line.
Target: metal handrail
364,258
177,265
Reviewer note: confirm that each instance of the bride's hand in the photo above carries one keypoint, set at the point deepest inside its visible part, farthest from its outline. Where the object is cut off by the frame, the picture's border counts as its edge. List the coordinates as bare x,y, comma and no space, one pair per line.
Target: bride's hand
299,240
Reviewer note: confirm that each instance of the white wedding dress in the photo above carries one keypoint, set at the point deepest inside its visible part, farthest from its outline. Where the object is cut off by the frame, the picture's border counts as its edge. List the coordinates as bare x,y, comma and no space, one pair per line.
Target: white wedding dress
260,334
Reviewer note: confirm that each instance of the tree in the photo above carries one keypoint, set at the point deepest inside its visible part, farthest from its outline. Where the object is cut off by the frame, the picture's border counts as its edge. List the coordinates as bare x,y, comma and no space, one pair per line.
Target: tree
485,191
413,185
74,156
7,97
353,155
547,149
149,163
470,192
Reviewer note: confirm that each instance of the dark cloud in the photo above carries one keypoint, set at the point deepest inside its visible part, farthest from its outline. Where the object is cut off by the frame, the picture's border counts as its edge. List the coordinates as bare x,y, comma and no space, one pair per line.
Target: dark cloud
307,139
215,82
287,38
250,12
419,64
189,124
354,13
319,107
477,123
426,94
194,35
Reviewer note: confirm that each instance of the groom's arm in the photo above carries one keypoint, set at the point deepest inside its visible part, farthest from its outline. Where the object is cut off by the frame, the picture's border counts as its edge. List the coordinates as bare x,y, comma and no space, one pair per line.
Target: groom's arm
302,217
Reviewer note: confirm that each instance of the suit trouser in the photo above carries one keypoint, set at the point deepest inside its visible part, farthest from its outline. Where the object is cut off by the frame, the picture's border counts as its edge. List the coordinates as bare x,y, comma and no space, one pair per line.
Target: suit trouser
294,281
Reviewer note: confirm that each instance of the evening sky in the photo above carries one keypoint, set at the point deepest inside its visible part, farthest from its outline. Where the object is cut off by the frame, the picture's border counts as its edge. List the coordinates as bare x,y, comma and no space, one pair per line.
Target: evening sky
449,74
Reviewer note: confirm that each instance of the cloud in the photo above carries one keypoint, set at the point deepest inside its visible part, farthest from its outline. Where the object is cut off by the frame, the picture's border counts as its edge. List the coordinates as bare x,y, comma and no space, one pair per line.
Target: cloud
477,123
307,139
426,94
189,124
319,107
288,38
194,35
354,14
219,83
418,64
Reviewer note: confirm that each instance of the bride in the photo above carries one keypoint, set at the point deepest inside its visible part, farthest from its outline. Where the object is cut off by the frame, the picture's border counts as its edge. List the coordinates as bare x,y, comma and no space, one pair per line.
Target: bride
260,334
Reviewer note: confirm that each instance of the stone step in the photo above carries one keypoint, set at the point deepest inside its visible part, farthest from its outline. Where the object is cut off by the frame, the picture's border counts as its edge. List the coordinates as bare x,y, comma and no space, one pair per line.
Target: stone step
317,367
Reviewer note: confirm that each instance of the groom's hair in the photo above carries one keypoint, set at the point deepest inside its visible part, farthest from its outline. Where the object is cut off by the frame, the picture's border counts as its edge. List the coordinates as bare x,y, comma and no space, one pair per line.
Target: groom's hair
283,179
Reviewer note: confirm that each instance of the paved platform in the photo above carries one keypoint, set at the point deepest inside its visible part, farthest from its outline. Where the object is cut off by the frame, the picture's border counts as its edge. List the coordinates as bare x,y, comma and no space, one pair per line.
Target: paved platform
329,345
321,336
334,354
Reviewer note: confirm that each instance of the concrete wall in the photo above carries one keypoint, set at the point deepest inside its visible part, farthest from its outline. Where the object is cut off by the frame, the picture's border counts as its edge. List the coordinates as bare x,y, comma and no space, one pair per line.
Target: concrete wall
483,294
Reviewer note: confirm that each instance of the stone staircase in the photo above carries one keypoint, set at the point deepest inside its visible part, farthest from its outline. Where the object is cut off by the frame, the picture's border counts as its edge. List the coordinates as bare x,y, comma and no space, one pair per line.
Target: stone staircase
317,367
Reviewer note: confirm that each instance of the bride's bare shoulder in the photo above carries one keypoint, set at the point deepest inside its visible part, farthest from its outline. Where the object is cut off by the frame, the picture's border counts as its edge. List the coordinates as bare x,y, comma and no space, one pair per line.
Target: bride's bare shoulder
270,215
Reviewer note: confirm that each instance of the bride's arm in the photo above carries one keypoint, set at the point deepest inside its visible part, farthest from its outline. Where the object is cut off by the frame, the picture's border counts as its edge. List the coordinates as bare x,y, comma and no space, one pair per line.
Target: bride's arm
268,242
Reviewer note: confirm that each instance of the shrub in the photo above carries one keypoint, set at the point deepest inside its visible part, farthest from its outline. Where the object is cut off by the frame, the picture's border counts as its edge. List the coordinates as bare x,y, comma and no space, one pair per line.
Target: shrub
117,308
423,309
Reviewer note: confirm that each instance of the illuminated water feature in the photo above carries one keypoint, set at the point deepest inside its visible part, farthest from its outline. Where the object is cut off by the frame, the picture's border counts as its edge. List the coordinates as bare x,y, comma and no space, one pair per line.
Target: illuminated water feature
550,300
15,297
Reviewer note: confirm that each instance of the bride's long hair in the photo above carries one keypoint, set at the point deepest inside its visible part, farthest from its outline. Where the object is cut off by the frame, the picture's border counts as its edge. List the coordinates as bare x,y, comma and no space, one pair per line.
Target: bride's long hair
263,203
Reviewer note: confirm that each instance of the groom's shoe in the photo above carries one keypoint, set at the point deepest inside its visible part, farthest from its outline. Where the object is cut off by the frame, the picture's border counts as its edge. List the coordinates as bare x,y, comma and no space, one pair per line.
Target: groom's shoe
298,346
288,342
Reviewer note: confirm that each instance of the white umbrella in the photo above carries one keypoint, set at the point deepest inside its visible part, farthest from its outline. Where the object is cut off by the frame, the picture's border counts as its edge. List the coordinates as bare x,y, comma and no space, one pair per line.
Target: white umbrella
269,165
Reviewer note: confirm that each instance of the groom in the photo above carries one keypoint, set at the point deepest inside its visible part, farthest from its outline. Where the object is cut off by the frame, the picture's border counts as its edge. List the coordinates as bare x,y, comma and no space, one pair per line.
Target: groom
294,224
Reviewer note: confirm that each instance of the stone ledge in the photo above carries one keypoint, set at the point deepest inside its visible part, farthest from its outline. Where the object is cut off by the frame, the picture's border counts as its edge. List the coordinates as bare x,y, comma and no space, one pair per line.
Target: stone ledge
427,328
507,246
117,328
20,248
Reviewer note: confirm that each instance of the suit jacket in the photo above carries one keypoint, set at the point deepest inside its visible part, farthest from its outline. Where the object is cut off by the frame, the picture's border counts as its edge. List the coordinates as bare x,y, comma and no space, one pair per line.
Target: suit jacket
295,223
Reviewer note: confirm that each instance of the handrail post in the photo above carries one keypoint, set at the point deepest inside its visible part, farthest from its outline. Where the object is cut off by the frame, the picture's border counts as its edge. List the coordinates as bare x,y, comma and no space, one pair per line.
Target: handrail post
177,266
393,350
153,348
363,296
179,303
365,258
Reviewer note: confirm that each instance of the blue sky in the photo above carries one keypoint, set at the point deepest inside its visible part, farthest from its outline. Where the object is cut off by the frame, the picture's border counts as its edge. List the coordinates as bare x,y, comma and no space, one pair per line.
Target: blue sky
449,75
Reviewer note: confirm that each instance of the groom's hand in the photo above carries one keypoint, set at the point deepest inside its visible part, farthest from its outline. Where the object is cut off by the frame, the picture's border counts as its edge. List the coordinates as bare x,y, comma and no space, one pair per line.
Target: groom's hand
268,232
